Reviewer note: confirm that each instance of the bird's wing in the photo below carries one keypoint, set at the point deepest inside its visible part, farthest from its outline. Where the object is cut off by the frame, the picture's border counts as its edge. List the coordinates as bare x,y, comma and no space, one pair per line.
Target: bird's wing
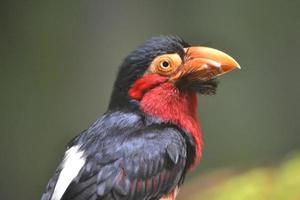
51,185
147,164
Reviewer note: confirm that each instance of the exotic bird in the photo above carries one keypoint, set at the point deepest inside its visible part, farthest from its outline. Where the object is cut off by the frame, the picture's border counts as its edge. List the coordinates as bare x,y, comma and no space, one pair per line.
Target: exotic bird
149,137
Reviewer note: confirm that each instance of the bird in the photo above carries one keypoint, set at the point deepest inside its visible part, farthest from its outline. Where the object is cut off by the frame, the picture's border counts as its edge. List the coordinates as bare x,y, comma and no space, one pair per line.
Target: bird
150,137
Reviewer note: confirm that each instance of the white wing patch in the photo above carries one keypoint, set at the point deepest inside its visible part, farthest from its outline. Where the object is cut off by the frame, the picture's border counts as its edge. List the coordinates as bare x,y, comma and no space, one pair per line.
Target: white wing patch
72,163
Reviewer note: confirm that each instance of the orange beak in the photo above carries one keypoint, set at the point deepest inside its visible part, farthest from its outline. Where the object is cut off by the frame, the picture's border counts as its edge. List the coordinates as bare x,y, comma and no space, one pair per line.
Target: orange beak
204,63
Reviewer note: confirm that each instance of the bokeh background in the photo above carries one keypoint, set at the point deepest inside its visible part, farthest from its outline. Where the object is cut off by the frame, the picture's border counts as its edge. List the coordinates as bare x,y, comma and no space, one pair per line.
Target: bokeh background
58,61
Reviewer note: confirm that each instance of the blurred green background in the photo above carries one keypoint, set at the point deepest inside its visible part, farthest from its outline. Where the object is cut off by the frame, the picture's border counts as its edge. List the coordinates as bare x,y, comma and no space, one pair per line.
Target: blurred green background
58,61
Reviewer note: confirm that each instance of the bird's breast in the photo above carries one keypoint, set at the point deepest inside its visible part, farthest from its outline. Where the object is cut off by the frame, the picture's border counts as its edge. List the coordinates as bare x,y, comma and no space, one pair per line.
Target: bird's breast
176,107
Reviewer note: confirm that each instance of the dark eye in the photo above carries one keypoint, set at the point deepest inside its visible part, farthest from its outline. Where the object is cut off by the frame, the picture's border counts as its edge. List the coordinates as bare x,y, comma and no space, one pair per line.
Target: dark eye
165,64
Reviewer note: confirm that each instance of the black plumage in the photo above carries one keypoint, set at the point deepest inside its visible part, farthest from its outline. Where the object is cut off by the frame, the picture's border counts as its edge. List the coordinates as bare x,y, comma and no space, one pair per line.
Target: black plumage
128,156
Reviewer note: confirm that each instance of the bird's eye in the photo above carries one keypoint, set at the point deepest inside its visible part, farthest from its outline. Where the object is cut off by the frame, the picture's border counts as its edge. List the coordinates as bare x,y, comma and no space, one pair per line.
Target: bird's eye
165,64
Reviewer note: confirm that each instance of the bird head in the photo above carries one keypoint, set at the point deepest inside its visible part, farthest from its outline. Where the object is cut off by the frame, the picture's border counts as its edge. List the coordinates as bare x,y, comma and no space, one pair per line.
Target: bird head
169,59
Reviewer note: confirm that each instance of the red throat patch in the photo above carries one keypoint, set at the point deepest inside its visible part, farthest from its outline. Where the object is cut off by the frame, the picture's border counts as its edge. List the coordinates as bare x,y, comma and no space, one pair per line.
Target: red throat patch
170,105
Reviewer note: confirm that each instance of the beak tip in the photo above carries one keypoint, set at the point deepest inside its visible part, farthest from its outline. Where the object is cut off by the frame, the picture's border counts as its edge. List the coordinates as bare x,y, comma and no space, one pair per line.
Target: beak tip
238,66
233,64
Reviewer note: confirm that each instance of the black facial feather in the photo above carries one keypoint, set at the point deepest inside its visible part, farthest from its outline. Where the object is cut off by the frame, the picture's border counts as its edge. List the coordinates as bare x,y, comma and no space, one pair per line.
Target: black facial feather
202,87
136,63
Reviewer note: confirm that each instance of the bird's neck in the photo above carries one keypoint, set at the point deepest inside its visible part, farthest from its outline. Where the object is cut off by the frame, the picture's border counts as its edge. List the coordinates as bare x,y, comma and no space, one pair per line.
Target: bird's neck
177,107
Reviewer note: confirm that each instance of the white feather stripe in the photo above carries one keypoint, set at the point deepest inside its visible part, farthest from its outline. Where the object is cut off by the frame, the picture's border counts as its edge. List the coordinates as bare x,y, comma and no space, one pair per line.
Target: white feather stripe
72,163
